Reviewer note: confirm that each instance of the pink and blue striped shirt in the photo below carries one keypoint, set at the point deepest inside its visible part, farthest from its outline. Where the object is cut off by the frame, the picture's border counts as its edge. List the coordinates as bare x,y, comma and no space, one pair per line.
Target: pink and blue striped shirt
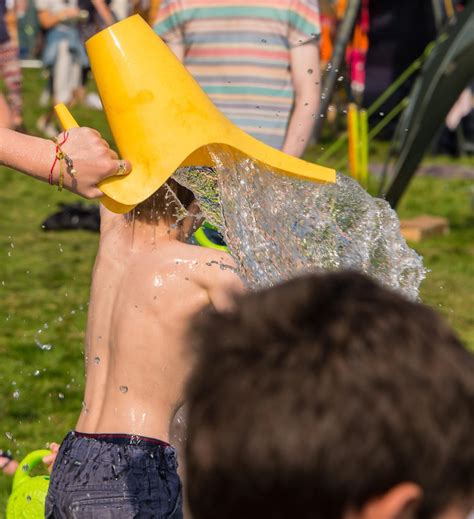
239,52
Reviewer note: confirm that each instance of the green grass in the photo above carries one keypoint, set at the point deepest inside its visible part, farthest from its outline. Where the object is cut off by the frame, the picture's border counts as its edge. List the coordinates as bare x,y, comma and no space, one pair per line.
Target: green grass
44,277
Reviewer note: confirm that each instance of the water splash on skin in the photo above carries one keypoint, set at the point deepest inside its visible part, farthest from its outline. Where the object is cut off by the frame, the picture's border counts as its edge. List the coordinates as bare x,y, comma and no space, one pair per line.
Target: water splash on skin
137,422
190,263
276,226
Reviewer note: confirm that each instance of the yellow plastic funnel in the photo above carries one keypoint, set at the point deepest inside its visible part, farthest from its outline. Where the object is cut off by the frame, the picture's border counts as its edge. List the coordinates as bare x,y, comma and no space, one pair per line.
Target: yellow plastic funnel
161,119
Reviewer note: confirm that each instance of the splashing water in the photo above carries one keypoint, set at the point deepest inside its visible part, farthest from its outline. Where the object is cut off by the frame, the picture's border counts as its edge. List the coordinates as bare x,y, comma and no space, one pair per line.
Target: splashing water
277,227
60,320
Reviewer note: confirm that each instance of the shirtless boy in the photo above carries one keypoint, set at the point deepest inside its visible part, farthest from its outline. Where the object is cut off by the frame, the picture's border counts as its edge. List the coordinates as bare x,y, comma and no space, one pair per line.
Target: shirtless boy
146,286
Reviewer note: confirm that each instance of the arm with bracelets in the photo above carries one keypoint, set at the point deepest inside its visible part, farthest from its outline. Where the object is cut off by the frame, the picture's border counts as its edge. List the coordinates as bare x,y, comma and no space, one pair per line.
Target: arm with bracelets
82,161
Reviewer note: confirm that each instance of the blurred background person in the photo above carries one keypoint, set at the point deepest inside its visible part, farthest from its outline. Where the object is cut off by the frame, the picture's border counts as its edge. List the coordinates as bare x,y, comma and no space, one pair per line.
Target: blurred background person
10,72
99,16
259,62
399,32
63,54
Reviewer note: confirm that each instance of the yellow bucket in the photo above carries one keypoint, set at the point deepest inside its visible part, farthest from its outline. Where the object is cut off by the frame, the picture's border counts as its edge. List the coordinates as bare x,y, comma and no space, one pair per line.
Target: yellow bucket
160,117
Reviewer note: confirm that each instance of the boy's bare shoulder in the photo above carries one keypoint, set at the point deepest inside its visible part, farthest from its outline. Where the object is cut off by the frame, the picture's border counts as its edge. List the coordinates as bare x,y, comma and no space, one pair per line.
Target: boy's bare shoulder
206,266
217,274
185,266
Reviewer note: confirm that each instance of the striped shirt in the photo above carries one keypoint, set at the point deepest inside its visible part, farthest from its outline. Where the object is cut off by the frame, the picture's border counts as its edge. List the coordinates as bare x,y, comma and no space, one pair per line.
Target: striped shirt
239,52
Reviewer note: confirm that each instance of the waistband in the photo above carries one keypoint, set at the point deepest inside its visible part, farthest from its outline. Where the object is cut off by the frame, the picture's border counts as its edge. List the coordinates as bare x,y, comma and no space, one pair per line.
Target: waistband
122,439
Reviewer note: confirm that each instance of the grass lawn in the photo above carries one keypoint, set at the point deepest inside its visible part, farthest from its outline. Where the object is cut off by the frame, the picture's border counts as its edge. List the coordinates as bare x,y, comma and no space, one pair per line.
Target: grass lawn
44,282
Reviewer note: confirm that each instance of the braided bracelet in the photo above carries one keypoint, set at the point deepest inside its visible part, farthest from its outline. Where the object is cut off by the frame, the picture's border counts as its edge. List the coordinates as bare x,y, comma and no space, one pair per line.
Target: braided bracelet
59,156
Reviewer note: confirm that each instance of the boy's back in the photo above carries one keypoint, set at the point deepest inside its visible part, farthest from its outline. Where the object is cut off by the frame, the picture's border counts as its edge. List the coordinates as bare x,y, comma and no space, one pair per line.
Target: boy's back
143,296
146,286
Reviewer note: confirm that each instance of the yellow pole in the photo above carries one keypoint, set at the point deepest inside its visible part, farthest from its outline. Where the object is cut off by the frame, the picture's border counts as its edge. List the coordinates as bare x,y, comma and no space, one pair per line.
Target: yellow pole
448,5
352,123
364,149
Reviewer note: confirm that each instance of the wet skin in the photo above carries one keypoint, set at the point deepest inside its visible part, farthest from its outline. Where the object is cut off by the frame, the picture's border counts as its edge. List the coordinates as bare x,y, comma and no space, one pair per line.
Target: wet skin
146,286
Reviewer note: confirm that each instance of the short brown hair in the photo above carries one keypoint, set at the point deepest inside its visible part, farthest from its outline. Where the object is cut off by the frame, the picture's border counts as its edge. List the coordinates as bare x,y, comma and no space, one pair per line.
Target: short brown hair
322,393
166,203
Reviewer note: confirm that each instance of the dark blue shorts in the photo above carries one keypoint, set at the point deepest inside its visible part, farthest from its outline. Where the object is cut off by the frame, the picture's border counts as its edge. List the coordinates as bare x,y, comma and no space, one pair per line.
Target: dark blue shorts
114,476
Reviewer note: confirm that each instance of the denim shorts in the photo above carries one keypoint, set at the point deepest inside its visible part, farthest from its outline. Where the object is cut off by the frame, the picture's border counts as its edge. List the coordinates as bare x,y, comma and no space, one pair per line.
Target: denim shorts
114,476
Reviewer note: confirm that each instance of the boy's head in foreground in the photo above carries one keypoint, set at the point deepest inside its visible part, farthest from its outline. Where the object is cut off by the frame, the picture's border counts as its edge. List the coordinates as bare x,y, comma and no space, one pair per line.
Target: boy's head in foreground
330,397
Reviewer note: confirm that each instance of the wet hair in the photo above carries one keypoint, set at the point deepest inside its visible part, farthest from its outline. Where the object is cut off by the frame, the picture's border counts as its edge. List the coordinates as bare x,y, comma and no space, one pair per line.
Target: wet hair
322,393
169,202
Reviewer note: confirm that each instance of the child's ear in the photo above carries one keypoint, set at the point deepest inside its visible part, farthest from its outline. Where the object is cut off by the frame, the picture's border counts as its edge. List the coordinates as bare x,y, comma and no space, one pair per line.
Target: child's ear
400,502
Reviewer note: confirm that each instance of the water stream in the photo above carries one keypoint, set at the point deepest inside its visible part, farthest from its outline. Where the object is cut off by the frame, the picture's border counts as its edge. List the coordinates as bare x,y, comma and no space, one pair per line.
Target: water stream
277,226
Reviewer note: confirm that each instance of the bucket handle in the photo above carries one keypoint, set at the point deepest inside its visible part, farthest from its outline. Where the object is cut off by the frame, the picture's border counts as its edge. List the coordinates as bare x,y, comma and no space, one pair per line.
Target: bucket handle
30,461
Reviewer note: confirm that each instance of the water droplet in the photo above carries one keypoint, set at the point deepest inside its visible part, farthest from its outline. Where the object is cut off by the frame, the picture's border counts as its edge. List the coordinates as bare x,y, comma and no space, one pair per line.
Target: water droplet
28,498
97,360
25,468
16,394
123,389
340,78
36,372
381,114
310,71
9,435
60,396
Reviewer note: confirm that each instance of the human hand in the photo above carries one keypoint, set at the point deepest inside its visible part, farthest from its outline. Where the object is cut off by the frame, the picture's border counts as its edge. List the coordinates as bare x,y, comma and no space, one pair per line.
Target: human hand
93,161
7,464
51,458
